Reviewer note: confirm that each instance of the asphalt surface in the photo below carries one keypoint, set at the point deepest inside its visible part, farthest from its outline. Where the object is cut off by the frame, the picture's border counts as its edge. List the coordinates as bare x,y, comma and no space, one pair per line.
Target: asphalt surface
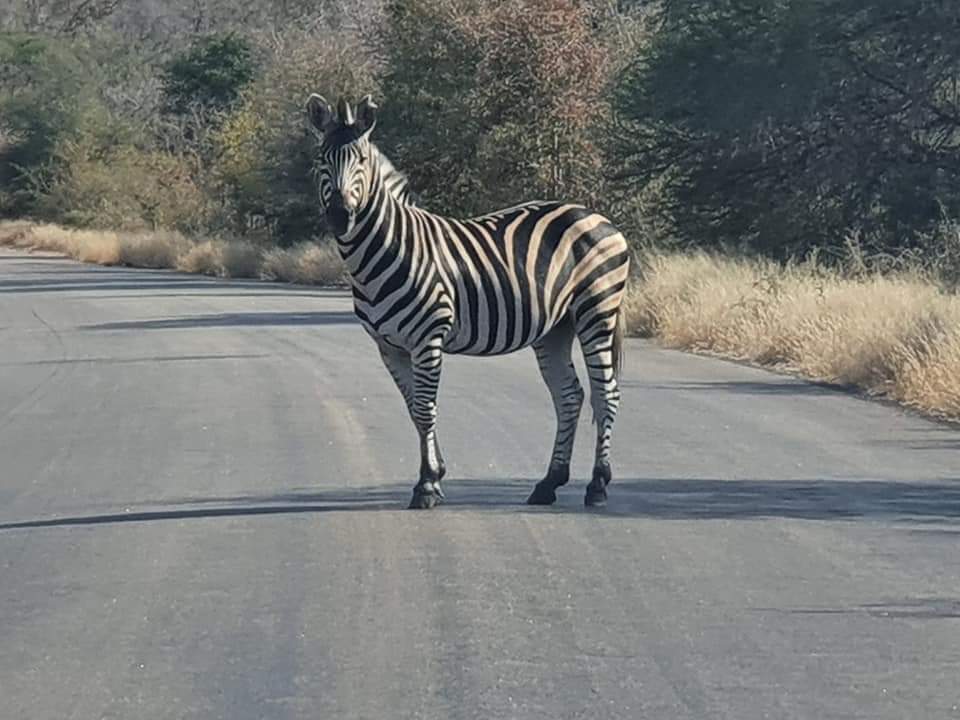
202,487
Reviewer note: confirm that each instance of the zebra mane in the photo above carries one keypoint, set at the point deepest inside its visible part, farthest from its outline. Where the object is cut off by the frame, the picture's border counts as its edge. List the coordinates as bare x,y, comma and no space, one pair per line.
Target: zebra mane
396,182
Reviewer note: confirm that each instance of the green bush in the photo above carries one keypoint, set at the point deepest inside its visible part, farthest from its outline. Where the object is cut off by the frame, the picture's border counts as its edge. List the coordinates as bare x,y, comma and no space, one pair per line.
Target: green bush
42,96
210,75
126,188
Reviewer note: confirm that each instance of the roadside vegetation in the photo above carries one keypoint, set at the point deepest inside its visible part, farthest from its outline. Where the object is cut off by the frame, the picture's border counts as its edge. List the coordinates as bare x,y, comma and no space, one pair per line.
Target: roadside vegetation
890,334
787,171
306,263
894,335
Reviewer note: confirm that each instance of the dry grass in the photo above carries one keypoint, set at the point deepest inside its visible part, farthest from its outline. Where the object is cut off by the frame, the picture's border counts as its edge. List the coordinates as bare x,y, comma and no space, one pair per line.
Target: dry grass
222,259
204,258
896,336
159,250
102,248
308,263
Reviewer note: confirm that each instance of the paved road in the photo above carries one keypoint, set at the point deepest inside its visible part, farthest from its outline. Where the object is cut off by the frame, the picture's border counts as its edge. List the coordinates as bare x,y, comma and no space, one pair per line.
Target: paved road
201,493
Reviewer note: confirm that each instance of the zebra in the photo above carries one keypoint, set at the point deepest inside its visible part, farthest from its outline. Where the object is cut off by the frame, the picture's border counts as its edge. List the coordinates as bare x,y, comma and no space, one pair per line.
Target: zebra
539,274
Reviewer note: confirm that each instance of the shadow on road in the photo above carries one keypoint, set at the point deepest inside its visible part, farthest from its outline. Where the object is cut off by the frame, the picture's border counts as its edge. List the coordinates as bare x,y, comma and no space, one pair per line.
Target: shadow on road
148,280
197,512
299,292
946,437
232,320
771,387
147,360
801,499
25,256
927,608
663,499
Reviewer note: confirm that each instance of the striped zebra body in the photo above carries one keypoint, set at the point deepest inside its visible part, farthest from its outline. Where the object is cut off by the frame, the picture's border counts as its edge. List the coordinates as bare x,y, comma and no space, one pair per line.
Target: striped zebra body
503,280
538,274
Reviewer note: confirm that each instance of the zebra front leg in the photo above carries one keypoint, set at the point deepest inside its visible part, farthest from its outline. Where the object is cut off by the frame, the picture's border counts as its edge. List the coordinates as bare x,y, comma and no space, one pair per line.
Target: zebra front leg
400,367
398,364
556,367
426,365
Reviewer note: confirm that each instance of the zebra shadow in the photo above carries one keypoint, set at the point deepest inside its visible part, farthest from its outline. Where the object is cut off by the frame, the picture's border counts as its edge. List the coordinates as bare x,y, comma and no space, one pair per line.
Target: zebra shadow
651,498
720,499
491,496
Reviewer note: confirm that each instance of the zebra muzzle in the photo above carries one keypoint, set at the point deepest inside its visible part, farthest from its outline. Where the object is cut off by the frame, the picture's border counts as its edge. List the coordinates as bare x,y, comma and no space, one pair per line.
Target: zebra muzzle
339,219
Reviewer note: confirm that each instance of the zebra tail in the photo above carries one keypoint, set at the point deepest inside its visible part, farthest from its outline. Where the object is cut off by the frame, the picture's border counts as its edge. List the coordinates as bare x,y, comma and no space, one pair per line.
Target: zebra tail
618,350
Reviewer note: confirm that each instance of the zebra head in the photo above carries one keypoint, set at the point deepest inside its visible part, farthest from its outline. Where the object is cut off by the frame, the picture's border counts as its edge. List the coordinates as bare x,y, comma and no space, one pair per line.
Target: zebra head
346,163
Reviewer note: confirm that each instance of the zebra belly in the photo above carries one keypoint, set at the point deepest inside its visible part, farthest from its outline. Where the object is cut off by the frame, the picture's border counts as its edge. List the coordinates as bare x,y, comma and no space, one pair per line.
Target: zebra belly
453,349
387,334
462,340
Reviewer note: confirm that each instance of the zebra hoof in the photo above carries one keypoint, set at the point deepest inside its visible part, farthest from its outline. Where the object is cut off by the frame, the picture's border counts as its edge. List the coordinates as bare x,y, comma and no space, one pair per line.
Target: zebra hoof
595,497
424,499
597,489
543,494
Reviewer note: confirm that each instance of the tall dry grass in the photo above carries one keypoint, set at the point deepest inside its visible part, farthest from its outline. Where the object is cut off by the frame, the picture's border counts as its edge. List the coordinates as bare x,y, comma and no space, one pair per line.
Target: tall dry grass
158,250
222,259
891,335
98,247
308,263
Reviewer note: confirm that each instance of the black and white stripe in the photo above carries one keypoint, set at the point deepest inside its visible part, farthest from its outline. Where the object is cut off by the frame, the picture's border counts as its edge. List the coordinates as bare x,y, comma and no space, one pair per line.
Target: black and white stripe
540,274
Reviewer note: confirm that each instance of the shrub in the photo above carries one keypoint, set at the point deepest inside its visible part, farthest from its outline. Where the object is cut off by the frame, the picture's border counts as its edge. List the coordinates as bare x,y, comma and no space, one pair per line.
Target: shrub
487,108
210,75
43,93
127,189
265,152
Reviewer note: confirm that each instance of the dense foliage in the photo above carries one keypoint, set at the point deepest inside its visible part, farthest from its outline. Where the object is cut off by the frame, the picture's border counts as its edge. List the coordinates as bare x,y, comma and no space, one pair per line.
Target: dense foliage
210,75
487,107
788,124
777,125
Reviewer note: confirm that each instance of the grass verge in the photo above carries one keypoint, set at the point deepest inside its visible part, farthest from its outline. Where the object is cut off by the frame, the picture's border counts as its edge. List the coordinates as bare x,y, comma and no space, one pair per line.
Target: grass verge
895,336
308,263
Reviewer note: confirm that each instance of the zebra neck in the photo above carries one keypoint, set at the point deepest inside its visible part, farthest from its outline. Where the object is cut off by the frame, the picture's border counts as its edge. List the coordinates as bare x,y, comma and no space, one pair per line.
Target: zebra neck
394,180
378,235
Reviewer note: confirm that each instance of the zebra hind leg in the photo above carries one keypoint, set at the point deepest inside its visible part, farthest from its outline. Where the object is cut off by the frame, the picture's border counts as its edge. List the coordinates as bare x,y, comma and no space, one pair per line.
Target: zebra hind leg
597,340
553,356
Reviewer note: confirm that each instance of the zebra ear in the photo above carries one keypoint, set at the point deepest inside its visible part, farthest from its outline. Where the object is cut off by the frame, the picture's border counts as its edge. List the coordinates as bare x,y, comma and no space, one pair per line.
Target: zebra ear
320,114
366,115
